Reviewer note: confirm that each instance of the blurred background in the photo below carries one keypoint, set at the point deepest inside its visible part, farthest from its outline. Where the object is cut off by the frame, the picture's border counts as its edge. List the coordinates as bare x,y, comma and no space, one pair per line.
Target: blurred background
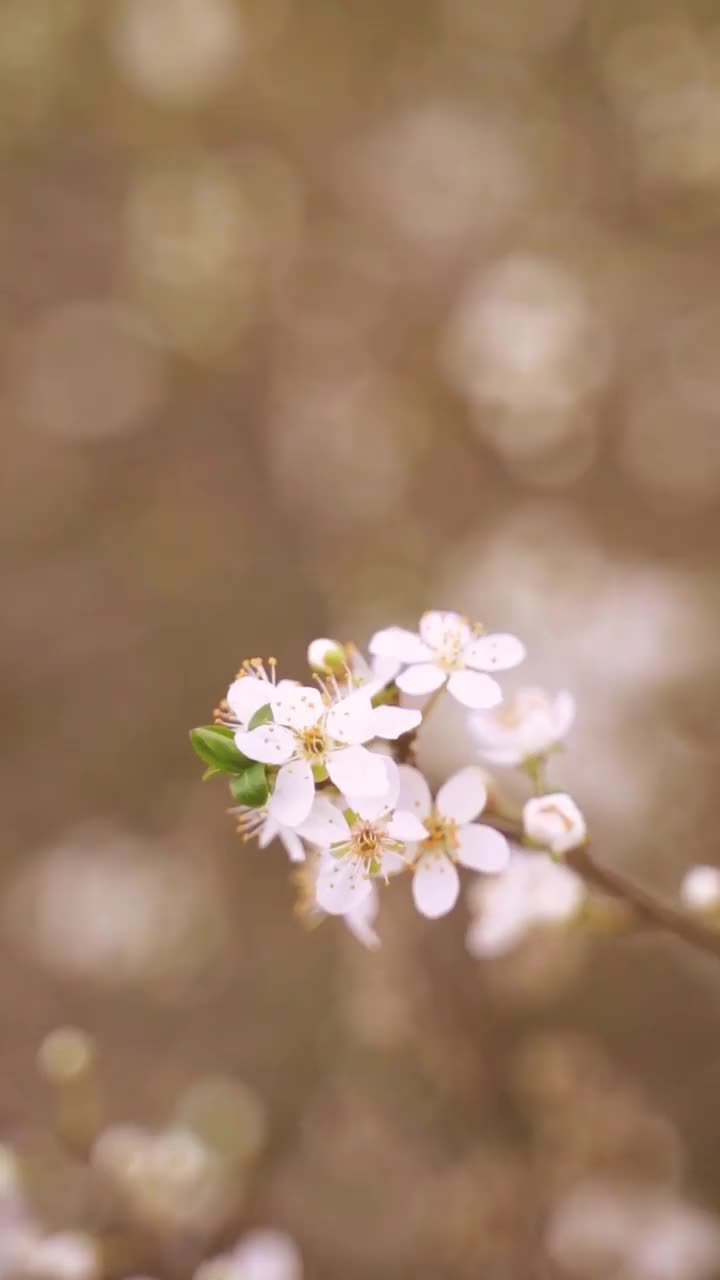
314,316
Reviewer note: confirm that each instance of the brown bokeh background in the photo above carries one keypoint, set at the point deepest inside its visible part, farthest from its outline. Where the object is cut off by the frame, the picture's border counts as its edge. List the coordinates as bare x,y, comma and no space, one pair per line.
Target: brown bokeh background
314,316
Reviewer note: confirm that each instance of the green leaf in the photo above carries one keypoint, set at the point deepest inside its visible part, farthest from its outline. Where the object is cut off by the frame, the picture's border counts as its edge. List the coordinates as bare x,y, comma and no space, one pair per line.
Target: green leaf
251,787
263,715
213,743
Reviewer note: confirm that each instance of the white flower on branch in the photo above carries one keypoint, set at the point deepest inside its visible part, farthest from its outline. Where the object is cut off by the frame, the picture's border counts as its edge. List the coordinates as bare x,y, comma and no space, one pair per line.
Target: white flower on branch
532,891
366,841
448,649
310,736
700,889
528,725
555,822
451,835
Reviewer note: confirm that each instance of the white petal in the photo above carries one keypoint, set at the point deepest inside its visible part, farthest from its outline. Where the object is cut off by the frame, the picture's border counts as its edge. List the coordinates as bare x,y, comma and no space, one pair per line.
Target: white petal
291,801
463,796
394,863
436,885
325,824
494,653
441,629
268,832
342,885
391,722
247,695
269,743
397,642
474,690
361,920
563,712
424,678
481,848
406,826
298,706
384,668
507,756
358,772
352,720
495,935
378,806
292,844
414,791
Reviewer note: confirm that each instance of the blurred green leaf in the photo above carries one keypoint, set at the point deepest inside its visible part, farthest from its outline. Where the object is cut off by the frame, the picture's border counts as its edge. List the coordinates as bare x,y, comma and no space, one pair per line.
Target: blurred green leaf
214,745
251,787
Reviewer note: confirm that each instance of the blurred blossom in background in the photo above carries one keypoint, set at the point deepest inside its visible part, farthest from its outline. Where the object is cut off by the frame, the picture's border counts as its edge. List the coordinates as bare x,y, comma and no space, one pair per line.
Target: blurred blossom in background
315,316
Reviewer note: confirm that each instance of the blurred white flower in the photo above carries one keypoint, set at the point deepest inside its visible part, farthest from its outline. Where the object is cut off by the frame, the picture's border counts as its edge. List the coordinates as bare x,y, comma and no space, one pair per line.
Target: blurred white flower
178,51
170,1180
555,822
529,724
700,888
447,649
368,840
260,1255
633,1233
533,891
307,735
451,835
139,911
68,1255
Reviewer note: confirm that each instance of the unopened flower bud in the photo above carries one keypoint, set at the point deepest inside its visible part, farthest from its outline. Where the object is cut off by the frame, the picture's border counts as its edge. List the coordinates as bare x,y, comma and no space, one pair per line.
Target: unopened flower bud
554,822
326,656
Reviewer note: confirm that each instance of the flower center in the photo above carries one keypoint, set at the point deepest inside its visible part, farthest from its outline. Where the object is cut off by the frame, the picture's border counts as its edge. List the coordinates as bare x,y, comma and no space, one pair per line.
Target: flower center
512,714
313,744
447,653
441,834
365,840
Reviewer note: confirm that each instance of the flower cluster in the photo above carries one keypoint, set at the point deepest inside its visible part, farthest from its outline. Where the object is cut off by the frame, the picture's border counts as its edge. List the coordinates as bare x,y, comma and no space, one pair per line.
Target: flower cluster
328,768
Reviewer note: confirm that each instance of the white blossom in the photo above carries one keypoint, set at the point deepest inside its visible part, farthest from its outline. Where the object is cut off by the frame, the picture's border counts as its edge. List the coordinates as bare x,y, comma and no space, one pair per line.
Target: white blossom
259,1255
632,1232
700,889
366,841
555,822
67,1255
451,835
532,891
310,735
528,724
447,649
